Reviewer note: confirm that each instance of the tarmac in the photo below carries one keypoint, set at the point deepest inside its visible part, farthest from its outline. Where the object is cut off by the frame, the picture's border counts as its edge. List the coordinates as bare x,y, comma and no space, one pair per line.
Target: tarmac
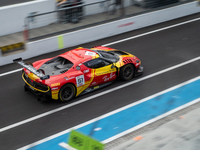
180,131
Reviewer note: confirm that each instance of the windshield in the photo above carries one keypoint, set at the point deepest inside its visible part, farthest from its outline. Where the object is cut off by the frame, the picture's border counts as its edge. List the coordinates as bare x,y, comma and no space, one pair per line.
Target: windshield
109,55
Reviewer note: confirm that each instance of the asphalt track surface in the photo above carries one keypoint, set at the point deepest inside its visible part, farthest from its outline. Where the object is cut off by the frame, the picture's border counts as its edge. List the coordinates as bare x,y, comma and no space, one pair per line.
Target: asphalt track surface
157,51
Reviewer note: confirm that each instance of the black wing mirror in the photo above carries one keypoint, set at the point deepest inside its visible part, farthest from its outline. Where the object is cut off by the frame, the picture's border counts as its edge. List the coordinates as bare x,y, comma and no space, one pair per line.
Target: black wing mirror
113,66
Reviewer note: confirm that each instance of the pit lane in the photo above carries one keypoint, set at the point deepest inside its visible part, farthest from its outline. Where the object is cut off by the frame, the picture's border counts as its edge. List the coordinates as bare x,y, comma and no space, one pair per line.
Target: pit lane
157,51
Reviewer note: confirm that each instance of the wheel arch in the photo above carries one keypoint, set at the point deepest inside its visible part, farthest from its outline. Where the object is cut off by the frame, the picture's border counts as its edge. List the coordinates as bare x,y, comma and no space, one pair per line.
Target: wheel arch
131,73
66,84
70,83
118,69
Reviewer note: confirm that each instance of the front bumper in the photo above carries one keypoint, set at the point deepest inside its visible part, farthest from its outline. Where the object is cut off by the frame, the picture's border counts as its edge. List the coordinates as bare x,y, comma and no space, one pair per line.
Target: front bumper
42,91
139,71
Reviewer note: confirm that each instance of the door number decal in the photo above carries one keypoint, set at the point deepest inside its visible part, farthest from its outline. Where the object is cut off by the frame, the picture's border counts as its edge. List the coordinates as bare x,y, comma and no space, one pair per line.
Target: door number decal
80,80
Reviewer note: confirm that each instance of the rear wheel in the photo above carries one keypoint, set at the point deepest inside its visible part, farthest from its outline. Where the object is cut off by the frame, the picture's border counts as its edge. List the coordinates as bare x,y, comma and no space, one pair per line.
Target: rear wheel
127,72
67,93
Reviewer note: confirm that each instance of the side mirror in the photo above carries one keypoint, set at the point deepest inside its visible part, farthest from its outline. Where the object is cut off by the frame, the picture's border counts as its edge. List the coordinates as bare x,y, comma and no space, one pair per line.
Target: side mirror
113,66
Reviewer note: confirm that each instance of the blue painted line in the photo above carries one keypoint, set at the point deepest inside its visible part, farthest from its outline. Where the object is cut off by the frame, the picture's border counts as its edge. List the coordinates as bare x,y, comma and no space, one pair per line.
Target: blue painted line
133,116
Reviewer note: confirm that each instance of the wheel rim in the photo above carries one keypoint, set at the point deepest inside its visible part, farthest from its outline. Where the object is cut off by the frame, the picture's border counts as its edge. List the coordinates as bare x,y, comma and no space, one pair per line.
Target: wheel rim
128,72
67,93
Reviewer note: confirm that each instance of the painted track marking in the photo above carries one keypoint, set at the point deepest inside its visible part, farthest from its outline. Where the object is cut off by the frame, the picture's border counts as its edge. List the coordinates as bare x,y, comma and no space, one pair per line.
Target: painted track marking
10,72
126,39
152,75
125,108
97,95
151,32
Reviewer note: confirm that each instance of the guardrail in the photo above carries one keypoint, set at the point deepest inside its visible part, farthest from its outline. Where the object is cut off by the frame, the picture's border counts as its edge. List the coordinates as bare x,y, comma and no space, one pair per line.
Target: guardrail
12,17
86,35
67,17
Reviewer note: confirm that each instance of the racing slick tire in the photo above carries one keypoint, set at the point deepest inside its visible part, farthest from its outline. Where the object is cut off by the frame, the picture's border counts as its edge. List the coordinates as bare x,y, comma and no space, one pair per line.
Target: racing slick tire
127,72
67,92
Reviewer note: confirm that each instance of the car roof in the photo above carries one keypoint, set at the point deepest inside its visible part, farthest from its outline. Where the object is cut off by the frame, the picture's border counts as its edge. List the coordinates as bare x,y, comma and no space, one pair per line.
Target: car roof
80,55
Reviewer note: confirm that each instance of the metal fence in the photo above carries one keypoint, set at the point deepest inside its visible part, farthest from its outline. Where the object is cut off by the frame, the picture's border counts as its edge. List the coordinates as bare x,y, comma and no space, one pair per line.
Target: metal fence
78,15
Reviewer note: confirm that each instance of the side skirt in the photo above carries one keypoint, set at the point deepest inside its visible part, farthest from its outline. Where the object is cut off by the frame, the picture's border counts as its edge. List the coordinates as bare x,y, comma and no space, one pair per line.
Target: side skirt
91,89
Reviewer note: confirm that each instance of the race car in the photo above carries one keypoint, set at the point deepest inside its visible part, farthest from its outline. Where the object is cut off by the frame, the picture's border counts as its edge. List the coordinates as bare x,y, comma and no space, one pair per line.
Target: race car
77,72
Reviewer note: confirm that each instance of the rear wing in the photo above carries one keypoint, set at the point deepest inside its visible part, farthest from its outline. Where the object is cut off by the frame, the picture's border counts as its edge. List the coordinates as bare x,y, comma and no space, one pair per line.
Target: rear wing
31,69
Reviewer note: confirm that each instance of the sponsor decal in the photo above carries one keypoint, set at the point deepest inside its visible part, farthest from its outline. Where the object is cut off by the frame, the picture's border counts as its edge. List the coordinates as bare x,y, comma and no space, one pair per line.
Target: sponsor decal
86,71
69,78
88,90
107,78
114,69
31,69
54,88
55,84
90,53
96,87
101,73
80,80
126,24
94,83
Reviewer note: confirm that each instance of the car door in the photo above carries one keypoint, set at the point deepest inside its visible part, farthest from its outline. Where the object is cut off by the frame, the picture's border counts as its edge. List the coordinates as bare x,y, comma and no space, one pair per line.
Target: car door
103,71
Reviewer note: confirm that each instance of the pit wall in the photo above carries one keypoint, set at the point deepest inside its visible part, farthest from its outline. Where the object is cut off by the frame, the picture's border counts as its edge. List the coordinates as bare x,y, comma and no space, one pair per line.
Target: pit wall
100,7
12,17
95,33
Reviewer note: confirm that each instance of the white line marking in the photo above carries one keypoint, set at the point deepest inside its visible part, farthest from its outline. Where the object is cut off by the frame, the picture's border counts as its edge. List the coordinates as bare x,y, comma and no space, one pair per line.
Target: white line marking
97,95
111,90
130,38
121,109
66,146
10,72
150,32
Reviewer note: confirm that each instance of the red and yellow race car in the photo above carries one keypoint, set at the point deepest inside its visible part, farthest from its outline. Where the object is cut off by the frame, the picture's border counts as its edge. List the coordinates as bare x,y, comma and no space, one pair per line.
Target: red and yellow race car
78,71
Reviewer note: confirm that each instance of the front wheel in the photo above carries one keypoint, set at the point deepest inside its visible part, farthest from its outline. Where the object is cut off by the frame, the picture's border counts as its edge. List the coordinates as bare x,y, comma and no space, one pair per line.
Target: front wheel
127,72
67,93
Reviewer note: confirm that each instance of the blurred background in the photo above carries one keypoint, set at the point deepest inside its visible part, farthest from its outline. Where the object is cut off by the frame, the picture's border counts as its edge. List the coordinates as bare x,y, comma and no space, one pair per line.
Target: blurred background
38,19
